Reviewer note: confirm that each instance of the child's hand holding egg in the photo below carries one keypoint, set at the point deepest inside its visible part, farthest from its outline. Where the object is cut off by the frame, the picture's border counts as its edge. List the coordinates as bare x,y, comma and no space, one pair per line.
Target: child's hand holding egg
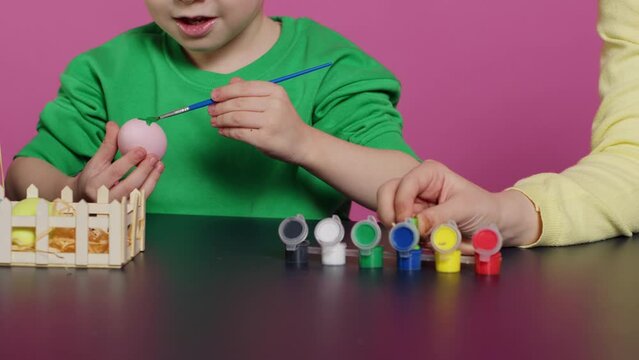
143,168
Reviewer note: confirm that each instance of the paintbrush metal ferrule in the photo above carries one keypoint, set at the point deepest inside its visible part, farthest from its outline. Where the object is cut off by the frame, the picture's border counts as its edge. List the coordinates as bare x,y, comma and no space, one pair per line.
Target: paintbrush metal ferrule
174,112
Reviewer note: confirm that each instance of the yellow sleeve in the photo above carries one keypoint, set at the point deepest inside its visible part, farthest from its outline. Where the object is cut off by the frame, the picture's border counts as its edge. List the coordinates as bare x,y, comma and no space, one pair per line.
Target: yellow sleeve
599,197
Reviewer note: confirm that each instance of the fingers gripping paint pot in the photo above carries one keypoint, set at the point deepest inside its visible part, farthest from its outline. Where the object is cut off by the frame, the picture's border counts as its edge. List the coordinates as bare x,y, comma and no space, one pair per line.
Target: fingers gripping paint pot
329,234
404,238
366,235
487,243
445,240
293,232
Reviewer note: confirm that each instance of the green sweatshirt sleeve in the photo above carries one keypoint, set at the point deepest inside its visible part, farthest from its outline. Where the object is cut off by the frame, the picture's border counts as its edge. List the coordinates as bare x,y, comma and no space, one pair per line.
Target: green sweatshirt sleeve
72,126
597,198
357,103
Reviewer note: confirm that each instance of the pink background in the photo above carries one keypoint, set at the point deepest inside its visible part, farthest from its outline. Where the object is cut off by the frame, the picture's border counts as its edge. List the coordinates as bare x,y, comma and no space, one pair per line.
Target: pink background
498,90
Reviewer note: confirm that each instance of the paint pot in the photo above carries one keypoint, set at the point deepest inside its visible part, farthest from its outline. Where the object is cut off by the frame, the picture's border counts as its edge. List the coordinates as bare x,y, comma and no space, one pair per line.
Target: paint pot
445,240
374,260
411,262
366,235
329,231
334,254
404,237
487,243
297,258
293,231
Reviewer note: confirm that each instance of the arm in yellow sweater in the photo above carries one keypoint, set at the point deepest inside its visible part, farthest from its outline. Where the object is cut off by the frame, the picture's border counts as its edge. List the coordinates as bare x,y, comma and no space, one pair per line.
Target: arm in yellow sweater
598,198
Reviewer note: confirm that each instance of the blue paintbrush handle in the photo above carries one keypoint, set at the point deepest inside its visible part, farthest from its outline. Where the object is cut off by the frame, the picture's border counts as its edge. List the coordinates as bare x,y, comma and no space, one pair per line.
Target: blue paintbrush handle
300,73
208,102
201,104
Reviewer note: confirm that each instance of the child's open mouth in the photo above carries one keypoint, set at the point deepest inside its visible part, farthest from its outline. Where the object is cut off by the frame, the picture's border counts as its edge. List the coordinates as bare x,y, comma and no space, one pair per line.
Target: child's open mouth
198,26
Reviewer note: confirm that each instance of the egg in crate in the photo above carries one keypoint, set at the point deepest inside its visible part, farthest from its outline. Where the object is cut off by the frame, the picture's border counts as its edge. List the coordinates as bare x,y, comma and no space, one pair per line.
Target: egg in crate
25,237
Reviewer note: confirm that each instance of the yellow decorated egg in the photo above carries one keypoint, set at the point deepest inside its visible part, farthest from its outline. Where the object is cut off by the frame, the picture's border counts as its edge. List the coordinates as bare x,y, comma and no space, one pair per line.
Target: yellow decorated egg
25,236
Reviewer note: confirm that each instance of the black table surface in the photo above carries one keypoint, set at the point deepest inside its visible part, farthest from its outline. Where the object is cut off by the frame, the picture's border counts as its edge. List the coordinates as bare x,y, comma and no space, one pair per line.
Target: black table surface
218,288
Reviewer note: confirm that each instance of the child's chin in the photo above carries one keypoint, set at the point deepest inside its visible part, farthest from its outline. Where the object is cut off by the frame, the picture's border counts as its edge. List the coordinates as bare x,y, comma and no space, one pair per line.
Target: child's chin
203,50
200,45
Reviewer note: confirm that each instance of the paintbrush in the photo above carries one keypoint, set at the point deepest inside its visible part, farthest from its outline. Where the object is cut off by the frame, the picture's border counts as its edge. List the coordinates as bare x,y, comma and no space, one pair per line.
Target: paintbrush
208,102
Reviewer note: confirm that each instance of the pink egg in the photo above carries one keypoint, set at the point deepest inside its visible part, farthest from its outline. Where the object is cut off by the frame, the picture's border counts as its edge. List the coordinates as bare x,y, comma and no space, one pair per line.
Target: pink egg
137,133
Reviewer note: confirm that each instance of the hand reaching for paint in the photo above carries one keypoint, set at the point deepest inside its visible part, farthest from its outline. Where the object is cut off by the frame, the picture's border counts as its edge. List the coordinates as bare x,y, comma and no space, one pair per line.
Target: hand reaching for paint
435,194
101,170
261,114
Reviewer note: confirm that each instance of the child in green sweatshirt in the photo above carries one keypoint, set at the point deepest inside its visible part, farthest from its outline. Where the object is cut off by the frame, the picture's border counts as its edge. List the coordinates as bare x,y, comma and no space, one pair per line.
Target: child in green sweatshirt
308,146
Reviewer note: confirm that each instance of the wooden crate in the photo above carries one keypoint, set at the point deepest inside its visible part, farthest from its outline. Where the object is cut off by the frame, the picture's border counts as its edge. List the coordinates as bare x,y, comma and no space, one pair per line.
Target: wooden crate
123,221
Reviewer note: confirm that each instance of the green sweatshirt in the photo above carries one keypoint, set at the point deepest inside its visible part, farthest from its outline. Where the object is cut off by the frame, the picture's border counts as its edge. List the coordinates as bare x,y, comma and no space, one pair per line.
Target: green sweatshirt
144,72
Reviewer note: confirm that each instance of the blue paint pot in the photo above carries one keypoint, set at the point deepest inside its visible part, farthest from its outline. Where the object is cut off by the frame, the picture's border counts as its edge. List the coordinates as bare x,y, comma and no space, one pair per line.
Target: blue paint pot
411,262
404,237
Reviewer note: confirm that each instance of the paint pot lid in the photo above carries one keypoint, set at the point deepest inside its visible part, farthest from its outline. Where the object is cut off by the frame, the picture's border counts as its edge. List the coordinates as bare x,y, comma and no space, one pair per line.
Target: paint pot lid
329,231
487,242
404,236
293,231
446,238
366,234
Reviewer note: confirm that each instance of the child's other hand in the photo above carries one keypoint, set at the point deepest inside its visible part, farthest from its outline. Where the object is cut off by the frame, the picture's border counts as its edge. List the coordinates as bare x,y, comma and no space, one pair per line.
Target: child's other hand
261,114
101,171
435,194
